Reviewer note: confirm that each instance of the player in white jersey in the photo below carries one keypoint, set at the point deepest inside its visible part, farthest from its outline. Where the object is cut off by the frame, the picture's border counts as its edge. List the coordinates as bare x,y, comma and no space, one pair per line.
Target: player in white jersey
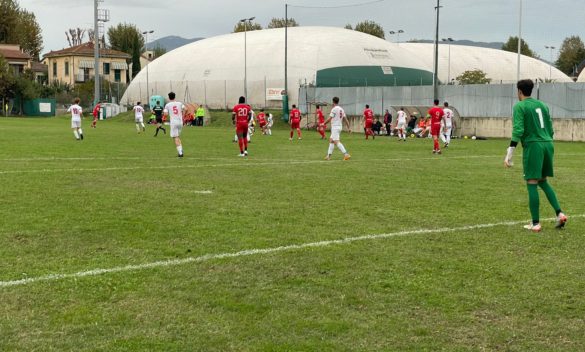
76,113
174,110
401,124
269,123
446,125
138,118
337,117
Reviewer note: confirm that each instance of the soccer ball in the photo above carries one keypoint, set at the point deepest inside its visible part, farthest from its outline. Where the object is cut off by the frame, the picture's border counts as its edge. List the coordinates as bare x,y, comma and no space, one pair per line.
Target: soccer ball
465,137
474,137
412,135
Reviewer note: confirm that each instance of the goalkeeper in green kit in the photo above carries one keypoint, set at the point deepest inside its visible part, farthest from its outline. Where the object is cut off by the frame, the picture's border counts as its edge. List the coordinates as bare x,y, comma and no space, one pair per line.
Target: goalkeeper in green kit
533,127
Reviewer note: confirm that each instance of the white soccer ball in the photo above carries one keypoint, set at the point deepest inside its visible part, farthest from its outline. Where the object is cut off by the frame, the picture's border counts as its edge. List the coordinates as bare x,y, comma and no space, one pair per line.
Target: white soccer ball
474,137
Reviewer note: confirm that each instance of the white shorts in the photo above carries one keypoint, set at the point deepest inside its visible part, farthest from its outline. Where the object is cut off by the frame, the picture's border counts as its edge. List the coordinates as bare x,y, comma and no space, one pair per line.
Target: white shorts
335,133
139,119
176,130
401,125
447,130
75,123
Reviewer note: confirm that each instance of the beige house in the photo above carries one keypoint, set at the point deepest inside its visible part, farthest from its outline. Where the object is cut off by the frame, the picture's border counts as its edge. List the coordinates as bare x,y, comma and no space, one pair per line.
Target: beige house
17,59
76,64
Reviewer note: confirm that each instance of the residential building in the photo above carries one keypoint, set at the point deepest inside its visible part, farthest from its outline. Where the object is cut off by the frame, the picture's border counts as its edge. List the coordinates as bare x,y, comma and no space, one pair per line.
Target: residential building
76,64
17,59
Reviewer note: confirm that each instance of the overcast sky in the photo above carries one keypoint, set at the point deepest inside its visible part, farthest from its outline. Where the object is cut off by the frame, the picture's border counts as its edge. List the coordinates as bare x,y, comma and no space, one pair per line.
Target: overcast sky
545,22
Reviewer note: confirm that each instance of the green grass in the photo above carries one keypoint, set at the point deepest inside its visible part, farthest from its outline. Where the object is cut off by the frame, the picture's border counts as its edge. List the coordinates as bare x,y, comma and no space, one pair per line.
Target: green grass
119,198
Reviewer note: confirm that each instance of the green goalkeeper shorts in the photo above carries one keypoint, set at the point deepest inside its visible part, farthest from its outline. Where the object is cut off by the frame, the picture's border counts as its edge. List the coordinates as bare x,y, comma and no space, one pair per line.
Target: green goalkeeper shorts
537,158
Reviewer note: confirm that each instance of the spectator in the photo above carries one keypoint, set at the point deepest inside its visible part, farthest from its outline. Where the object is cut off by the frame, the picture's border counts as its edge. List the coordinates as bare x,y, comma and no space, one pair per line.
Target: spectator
377,127
388,122
199,115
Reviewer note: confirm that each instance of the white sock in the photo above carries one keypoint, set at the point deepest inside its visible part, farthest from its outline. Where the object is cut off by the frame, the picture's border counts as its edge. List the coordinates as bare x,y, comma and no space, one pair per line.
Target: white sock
331,146
142,124
341,148
76,134
180,149
138,127
80,131
448,138
443,138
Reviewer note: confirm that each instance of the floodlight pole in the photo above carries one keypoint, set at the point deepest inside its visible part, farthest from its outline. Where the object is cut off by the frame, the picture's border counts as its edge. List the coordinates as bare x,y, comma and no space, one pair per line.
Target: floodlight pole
146,33
519,42
285,95
551,61
436,69
96,54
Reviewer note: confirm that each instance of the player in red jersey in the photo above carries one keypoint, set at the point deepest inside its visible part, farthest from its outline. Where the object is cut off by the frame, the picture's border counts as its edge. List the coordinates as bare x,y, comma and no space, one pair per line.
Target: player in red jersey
436,116
320,122
241,117
261,117
295,122
368,122
96,114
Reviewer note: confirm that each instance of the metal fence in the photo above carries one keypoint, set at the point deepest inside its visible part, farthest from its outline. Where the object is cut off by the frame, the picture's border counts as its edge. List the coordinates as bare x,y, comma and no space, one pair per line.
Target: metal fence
566,100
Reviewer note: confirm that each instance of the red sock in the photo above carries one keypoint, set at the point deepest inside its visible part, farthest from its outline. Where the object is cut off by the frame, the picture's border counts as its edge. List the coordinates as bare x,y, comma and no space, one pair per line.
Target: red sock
299,132
241,144
322,133
291,133
436,142
245,139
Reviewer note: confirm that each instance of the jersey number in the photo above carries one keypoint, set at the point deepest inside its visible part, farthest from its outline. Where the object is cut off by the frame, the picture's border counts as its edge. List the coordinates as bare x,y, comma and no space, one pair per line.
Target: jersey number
76,112
539,112
175,110
242,112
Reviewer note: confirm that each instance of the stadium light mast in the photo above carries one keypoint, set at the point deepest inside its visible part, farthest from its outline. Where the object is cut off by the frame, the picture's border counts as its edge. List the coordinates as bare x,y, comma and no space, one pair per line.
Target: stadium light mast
436,68
519,42
551,61
146,33
449,41
245,22
99,17
397,33
285,95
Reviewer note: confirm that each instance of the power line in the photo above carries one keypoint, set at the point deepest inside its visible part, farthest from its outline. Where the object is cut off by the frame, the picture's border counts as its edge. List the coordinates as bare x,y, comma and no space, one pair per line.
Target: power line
337,7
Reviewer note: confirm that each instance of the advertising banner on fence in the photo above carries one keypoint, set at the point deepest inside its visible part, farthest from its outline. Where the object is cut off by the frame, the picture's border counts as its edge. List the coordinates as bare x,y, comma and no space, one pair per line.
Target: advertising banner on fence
274,93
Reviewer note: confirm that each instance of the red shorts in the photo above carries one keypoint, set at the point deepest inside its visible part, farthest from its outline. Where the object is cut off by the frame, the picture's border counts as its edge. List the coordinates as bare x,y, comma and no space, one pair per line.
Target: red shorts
435,129
242,128
369,124
294,125
262,125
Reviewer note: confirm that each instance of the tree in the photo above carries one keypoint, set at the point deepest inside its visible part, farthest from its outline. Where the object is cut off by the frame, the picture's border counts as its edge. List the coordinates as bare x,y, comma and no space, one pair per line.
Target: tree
128,39
6,79
280,23
158,51
370,27
247,26
348,26
572,53
473,77
19,26
29,34
512,45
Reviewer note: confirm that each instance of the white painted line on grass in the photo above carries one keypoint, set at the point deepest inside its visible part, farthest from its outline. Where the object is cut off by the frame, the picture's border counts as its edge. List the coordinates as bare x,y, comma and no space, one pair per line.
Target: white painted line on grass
202,192
249,252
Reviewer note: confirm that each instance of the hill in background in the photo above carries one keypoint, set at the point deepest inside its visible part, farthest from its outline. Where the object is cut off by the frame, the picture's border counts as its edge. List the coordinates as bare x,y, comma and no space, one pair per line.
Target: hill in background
171,42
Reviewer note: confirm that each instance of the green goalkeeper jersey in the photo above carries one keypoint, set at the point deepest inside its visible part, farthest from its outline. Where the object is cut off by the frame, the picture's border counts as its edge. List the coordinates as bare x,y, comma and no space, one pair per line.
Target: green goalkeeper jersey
532,122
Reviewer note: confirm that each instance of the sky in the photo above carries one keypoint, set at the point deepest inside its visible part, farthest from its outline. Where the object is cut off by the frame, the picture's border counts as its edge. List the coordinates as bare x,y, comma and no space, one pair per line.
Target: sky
544,22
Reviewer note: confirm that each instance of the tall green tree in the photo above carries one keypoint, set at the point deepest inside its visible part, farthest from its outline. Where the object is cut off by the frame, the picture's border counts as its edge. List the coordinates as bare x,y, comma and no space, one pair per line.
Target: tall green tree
7,79
30,35
280,23
241,26
512,46
572,53
128,39
18,26
370,27
158,51
473,77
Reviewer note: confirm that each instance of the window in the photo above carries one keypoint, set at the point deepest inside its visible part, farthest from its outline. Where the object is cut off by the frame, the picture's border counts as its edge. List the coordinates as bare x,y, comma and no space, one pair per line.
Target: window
117,76
54,68
106,68
66,68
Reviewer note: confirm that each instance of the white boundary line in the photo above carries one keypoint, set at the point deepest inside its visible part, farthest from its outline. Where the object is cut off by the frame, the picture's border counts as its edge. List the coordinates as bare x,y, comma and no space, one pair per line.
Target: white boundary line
249,252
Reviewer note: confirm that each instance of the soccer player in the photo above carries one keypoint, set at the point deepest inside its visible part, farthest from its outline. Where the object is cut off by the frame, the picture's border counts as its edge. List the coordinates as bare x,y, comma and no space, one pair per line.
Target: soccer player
295,122
241,118
320,121
262,120
138,117
76,113
269,123
401,124
533,128
96,114
158,112
175,110
436,116
368,122
447,125
388,122
336,117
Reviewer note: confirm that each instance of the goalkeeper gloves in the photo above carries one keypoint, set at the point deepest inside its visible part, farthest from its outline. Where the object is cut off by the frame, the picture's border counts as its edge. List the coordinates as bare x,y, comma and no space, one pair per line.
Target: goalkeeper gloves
508,162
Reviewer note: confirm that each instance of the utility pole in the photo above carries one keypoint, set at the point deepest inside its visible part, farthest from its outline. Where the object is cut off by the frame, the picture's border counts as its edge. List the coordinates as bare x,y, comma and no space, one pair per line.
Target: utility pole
285,95
99,17
436,73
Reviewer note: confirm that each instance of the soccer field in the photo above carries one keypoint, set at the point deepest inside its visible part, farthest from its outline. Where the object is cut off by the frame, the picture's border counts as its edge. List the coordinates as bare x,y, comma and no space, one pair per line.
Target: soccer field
115,244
